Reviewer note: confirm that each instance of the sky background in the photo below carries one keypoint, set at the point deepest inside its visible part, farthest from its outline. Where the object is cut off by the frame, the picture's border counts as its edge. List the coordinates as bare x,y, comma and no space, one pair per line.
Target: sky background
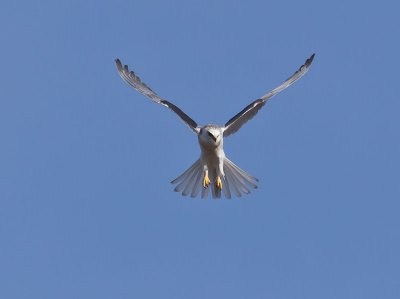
86,208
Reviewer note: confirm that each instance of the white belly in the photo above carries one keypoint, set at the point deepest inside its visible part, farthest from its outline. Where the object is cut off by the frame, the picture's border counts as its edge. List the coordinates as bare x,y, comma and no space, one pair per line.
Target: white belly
213,158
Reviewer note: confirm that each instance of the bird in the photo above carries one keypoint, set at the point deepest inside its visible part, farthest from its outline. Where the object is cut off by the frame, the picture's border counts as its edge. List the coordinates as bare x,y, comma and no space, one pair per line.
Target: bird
213,170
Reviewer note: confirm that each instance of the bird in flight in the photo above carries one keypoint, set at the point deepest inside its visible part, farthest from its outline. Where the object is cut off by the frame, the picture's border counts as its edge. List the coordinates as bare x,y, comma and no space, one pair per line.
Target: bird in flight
213,170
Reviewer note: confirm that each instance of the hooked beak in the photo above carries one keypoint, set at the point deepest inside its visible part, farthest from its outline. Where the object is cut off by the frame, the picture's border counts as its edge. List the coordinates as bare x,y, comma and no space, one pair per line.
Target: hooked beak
212,136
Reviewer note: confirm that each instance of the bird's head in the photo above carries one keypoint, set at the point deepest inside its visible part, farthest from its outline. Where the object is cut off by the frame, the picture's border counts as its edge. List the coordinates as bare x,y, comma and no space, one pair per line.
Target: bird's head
211,135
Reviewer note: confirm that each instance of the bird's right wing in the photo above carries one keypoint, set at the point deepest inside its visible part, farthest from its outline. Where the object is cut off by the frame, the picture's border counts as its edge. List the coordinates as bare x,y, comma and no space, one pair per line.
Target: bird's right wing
133,80
236,122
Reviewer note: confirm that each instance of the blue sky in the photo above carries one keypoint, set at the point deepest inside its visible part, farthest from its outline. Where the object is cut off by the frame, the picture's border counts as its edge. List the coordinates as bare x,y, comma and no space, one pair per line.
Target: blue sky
86,208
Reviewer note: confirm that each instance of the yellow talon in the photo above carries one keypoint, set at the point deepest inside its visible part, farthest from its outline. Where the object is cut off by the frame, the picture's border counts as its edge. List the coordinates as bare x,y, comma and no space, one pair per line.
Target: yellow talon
219,183
206,181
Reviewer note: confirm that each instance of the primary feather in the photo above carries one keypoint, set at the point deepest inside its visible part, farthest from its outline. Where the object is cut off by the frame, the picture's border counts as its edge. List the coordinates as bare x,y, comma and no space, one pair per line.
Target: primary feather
236,122
213,168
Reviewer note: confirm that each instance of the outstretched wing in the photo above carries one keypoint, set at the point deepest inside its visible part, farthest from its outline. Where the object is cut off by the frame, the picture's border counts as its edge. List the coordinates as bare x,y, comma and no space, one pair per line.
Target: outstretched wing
132,79
236,122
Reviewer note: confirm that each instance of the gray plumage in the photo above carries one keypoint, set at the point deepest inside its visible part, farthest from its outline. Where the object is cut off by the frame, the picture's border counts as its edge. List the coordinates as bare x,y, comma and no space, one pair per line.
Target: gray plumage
236,122
133,80
213,167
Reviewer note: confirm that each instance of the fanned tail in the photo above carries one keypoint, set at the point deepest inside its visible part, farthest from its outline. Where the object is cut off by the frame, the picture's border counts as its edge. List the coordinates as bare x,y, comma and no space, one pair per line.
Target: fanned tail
190,182
236,181
215,191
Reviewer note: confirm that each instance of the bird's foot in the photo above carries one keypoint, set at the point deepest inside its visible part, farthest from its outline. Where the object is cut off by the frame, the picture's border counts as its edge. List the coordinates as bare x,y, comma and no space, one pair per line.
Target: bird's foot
218,183
206,181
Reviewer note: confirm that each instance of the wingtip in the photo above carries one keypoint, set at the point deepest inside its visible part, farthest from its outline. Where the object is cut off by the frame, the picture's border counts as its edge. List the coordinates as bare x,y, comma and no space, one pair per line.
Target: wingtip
118,63
310,60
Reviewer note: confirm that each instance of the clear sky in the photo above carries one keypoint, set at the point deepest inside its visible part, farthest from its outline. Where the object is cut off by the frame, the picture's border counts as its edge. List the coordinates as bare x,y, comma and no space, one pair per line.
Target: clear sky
86,208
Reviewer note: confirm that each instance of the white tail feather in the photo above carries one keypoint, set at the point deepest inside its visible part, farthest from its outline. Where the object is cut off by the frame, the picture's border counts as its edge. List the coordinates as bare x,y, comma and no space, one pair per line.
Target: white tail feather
191,181
225,187
204,192
216,192
242,175
235,180
197,185
185,179
183,175
229,177
238,178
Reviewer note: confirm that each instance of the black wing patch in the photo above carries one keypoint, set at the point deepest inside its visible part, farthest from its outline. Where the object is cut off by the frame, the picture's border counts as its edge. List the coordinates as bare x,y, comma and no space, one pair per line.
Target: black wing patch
133,80
236,122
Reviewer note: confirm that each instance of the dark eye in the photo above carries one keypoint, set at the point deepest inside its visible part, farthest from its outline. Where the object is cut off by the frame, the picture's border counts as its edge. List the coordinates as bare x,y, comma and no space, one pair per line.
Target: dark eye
212,136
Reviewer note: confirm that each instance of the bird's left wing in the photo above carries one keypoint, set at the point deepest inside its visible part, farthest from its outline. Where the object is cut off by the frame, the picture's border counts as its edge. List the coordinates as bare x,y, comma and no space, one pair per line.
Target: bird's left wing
132,79
236,122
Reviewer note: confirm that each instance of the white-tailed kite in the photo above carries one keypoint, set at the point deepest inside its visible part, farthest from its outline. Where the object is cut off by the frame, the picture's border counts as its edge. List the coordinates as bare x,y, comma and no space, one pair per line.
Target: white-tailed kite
213,167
